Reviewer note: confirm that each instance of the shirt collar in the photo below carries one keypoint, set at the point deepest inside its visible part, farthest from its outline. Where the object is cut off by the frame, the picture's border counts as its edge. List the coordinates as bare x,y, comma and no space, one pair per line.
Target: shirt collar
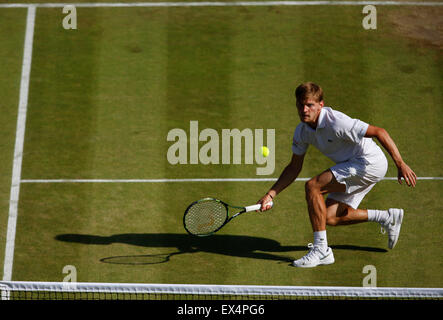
321,118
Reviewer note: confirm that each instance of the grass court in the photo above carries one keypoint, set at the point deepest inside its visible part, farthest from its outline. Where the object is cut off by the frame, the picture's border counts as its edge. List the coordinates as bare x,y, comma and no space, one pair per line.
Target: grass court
103,98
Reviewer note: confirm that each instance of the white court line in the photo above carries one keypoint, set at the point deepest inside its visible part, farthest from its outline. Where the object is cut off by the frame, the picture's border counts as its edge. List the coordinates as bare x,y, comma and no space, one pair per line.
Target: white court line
19,140
144,180
180,180
222,4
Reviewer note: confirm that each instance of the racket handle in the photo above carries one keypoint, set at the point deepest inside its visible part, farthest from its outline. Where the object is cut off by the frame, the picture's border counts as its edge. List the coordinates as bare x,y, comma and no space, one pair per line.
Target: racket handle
256,207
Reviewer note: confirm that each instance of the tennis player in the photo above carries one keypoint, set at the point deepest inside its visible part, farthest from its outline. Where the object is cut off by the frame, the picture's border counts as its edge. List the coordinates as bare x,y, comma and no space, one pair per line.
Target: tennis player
360,164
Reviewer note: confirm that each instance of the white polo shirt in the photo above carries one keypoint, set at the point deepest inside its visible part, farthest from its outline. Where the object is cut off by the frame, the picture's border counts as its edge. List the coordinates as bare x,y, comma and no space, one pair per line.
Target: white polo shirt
337,136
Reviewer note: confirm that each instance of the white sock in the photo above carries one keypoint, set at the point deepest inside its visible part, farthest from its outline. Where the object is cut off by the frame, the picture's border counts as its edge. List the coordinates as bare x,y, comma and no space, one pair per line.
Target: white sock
320,239
380,216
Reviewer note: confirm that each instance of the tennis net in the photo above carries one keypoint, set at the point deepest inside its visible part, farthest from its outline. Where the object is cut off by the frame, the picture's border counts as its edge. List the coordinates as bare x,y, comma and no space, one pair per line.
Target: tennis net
25,290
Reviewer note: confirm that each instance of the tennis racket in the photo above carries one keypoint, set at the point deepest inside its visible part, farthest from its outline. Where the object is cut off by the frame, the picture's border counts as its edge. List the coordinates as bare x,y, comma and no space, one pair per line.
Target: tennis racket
206,216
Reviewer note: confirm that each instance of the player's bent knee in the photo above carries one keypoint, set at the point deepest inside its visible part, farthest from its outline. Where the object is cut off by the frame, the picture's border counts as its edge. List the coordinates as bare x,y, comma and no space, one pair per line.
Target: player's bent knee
332,221
311,186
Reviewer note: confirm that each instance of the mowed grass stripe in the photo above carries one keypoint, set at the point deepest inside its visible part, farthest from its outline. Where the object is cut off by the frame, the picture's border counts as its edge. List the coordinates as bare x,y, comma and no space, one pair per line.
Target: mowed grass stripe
199,67
131,95
198,77
62,113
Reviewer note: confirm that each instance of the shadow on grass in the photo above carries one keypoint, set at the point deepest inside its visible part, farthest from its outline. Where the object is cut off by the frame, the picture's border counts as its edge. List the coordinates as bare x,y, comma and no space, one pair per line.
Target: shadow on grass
230,245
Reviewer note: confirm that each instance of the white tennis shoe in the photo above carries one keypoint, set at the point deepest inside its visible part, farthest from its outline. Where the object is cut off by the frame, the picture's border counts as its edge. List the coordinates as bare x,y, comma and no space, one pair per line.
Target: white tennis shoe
316,256
393,225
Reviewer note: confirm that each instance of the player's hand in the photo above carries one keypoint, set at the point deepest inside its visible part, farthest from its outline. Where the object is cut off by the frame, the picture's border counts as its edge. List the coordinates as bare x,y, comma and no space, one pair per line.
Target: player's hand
265,202
407,174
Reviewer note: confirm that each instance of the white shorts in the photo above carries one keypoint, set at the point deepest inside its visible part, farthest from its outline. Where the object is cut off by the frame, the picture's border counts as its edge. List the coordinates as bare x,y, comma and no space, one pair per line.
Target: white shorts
359,175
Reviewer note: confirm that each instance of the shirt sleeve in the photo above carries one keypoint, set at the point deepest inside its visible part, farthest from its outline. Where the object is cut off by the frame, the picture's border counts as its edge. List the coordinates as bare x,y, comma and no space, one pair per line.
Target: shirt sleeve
350,129
299,146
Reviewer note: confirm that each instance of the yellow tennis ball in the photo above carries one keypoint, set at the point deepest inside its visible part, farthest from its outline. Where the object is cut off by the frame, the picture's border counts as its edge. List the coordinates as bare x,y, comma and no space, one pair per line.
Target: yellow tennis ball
264,151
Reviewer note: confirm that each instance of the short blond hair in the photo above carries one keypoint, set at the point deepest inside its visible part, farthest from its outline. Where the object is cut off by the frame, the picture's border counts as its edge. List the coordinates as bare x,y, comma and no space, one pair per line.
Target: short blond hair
309,90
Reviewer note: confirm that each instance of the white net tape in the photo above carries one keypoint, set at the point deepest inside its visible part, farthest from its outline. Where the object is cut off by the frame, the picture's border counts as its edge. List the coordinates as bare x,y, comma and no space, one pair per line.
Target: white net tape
7,289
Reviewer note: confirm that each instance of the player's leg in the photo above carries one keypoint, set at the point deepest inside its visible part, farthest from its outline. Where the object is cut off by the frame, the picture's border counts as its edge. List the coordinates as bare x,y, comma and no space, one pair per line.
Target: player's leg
339,213
315,189
319,252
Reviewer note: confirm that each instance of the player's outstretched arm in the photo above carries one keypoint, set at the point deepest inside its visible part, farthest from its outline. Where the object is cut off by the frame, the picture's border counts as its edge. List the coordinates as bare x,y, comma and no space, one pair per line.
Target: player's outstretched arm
386,141
288,175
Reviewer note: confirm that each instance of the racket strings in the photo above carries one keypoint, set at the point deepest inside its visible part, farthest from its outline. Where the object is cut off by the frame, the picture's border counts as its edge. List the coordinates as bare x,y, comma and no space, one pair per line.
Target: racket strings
205,217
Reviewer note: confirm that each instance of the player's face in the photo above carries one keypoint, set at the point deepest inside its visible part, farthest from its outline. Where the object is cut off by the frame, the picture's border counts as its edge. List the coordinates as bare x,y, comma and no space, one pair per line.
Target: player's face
309,110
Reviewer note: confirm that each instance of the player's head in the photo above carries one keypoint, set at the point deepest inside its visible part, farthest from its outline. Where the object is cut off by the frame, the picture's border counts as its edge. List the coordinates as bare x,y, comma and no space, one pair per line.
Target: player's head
309,90
309,101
